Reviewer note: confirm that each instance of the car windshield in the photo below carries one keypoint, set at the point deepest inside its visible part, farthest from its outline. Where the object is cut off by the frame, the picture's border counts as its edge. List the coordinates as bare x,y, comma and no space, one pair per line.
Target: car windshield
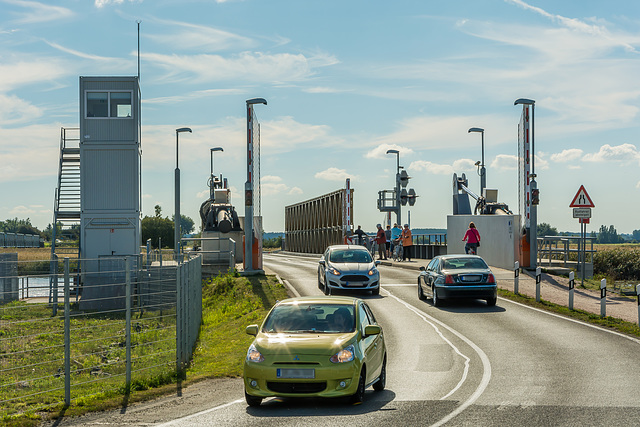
305,318
350,255
463,263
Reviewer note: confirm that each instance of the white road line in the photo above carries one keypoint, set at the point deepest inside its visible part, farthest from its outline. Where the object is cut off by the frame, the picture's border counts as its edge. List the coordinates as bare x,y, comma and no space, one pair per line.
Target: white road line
486,365
197,414
580,322
391,285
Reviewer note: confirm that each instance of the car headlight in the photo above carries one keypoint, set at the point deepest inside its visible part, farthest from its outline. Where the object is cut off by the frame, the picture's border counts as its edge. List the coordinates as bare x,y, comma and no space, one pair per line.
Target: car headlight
347,354
334,271
373,271
253,355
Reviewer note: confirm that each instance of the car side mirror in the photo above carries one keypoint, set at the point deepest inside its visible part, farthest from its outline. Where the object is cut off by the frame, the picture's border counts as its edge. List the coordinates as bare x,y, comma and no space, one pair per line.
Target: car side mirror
372,330
422,268
252,330
377,262
321,262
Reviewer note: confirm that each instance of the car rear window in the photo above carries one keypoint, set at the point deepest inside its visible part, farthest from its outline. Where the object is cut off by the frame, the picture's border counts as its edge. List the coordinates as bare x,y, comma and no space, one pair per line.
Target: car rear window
305,318
463,263
350,255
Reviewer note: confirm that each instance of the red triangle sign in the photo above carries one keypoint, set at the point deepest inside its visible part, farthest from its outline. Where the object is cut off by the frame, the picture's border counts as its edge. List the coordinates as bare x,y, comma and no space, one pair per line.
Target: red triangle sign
582,199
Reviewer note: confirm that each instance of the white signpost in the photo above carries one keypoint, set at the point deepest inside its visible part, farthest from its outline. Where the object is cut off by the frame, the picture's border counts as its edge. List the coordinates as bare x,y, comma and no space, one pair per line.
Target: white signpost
582,205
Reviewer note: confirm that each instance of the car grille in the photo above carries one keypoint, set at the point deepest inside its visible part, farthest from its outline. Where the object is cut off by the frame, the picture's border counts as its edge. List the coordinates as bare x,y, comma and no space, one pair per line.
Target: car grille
354,278
296,363
279,387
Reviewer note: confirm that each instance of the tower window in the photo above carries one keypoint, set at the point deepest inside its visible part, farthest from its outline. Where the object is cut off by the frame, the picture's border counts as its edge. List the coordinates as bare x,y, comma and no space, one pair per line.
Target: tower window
108,104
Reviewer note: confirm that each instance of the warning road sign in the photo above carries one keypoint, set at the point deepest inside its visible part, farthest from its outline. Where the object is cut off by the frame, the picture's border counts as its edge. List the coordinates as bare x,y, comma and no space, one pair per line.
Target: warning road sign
582,199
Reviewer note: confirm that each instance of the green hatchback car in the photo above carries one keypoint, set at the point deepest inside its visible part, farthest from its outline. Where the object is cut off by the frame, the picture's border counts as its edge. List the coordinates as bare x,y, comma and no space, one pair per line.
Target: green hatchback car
315,347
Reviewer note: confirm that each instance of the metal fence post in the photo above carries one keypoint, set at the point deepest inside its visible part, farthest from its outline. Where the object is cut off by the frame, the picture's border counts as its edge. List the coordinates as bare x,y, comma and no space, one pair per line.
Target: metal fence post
603,297
538,280
572,283
638,296
127,273
516,277
178,321
67,336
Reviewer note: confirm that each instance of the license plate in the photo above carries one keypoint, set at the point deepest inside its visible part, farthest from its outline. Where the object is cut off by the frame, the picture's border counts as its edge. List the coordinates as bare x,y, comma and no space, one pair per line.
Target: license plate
296,373
474,278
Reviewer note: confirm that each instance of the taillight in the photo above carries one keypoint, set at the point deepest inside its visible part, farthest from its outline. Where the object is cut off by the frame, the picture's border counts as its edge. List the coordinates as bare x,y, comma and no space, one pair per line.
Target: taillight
448,278
491,279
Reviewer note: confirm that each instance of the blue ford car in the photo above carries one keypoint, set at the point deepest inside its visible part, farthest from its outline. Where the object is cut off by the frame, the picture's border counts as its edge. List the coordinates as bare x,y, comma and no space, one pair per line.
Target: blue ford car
457,277
348,267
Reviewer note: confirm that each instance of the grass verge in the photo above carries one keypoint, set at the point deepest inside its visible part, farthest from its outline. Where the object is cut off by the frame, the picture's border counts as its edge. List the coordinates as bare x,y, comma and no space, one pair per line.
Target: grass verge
609,322
230,303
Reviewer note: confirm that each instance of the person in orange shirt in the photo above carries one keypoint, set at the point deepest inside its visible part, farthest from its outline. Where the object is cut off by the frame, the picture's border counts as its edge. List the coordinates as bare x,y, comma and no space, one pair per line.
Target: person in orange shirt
407,243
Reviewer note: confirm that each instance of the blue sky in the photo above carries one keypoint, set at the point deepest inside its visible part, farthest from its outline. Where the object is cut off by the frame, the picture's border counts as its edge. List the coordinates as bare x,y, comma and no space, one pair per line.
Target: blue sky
344,81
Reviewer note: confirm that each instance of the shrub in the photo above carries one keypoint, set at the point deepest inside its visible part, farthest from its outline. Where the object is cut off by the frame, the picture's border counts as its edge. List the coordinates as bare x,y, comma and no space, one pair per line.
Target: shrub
618,263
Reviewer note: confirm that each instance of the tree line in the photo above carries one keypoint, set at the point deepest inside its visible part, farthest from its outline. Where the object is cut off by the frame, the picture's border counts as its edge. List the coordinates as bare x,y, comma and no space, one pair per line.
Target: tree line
604,235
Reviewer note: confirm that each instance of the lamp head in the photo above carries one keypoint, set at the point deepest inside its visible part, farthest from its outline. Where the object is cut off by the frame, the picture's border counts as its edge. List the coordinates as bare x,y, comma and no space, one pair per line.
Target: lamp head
524,101
477,163
393,152
476,130
216,149
256,101
180,130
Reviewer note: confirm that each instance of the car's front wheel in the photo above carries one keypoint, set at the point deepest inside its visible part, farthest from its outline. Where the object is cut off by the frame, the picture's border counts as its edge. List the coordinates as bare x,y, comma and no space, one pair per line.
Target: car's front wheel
382,379
376,291
319,281
327,289
421,296
358,396
252,400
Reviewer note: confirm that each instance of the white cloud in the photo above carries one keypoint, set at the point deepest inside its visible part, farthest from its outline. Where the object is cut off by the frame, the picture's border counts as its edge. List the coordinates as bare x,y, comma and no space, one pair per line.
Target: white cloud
256,67
285,134
15,110
15,72
22,211
569,155
199,37
101,3
430,167
272,185
335,174
617,153
505,162
39,12
380,152
638,184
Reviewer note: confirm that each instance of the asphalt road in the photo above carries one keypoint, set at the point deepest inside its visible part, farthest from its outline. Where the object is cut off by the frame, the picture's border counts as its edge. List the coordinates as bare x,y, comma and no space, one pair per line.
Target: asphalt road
463,364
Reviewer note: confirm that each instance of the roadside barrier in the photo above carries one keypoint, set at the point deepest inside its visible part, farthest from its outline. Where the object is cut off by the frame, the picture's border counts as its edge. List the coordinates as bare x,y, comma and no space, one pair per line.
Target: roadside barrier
122,324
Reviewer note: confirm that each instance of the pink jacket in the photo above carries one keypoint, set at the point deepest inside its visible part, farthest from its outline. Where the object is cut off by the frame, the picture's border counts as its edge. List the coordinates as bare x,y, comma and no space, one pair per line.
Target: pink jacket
472,236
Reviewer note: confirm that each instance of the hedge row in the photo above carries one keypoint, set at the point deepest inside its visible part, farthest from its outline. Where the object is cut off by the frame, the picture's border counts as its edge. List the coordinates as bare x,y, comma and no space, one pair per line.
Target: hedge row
618,263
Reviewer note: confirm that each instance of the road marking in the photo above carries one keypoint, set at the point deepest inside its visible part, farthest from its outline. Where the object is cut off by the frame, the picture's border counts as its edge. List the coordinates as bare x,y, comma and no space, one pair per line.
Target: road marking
391,285
486,365
197,414
635,340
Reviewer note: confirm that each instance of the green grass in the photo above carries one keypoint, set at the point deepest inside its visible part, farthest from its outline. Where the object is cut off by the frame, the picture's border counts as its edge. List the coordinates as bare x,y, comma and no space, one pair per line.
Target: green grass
230,303
609,322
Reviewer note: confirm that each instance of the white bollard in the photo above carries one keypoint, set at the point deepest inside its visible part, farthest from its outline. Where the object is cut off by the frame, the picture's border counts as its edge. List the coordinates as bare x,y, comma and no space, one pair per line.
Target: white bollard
572,284
603,297
538,279
516,277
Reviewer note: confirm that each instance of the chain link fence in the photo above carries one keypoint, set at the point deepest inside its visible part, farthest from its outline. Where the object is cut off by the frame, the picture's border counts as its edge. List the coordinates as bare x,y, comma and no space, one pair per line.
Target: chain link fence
94,328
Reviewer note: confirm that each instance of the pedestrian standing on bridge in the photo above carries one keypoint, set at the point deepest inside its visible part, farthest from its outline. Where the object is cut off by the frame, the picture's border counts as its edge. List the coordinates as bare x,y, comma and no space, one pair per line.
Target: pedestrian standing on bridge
407,243
387,244
381,240
472,237
360,233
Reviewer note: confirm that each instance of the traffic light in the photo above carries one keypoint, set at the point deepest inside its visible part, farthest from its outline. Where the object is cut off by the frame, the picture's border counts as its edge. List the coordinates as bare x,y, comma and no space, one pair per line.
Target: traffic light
535,196
412,197
404,197
403,178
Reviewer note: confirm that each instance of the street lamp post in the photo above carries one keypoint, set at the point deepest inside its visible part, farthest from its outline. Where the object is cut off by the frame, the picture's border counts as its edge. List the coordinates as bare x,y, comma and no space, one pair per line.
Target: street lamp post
211,189
483,171
398,216
533,185
176,215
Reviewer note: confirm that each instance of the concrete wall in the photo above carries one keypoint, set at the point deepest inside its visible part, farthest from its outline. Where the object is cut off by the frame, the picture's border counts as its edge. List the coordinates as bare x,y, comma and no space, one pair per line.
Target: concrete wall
499,244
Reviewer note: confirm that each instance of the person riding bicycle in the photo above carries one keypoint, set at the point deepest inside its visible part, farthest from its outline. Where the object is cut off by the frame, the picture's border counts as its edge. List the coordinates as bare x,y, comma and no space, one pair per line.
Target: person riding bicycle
472,237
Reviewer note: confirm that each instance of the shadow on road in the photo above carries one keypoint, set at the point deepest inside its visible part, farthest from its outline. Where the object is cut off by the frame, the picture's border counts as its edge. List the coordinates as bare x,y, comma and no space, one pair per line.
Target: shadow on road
310,407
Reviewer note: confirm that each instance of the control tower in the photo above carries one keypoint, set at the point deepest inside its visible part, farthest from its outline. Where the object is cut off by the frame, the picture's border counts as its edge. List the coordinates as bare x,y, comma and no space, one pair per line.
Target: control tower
110,160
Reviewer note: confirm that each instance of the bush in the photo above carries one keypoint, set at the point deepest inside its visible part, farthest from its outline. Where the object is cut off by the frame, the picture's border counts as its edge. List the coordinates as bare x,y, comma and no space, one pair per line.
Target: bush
618,263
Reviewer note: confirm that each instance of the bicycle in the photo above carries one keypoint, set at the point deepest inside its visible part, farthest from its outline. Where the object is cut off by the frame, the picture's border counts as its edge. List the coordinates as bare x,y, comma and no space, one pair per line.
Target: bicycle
397,250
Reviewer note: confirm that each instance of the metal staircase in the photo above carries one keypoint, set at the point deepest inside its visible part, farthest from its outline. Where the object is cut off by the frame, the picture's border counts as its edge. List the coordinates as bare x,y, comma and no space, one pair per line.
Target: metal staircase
66,211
